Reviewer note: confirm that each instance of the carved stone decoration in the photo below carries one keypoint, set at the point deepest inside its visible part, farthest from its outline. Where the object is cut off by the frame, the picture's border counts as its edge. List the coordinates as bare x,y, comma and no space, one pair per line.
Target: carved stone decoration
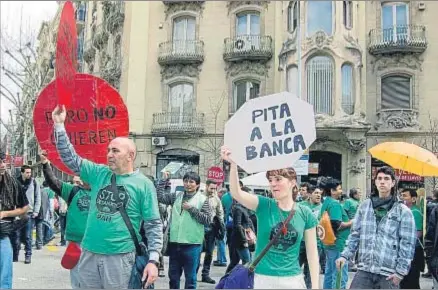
320,40
235,4
397,120
112,73
247,67
289,47
356,121
175,6
356,167
356,145
171,71
398,60
101,39
89,55
116,17
354,46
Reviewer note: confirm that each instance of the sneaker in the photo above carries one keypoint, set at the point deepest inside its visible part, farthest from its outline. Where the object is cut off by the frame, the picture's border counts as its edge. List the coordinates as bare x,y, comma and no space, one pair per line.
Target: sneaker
427,275
208,280
61,244
15,259
27,260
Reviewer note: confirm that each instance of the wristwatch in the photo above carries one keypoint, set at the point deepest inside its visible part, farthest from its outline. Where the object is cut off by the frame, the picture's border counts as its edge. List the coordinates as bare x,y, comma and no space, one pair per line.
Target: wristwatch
154,262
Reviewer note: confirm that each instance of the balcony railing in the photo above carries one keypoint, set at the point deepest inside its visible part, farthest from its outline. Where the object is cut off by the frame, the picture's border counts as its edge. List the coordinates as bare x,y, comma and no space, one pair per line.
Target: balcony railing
251,47
181,51
398,39
177,123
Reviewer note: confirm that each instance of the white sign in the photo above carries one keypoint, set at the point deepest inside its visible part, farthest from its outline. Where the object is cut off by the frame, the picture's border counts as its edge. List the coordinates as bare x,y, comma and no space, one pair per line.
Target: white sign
172,167
270,132
301,166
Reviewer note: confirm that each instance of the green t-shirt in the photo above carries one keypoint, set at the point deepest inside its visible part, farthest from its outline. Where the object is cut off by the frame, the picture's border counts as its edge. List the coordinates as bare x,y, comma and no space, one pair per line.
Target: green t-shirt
336,213
350,207
282,258
106,232
77,213
50,193
316,209
418,217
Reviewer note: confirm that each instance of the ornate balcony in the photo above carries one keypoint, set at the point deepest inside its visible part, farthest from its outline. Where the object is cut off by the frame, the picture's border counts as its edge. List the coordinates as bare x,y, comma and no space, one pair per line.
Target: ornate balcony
181,52
248,47
398,39
178,124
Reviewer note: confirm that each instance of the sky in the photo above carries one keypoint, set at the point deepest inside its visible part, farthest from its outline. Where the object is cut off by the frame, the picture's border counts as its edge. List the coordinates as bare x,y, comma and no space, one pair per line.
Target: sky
30,14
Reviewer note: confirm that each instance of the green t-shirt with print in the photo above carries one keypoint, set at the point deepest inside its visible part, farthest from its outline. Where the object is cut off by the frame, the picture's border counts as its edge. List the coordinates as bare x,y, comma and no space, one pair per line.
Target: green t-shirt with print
350,207
77,213
336,213
106,232
418,217
282,258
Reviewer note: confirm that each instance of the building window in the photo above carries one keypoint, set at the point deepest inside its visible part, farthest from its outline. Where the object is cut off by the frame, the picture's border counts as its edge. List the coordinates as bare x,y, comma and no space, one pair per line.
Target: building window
292,80
395,21
181,102
319,17
396,92
347,89
184,34
292,16
320,71
248,23
243,91
348,14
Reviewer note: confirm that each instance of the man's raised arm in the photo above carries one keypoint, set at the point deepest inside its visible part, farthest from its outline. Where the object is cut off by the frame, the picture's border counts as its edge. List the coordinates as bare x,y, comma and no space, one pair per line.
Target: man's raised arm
65,149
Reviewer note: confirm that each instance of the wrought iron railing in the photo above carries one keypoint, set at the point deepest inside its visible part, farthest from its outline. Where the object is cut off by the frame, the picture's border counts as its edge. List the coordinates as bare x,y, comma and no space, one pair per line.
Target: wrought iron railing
178,123
409,38
178,51
248,46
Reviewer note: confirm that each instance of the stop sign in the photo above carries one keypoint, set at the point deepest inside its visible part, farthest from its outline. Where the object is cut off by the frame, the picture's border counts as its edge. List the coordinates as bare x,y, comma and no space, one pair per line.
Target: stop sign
216,174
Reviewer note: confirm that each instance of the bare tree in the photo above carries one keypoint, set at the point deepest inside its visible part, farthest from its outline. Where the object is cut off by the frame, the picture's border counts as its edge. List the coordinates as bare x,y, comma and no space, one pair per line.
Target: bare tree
211,143
430,142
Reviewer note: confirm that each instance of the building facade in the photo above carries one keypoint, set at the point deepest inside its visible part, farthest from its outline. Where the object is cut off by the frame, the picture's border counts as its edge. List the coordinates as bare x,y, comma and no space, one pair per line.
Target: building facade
183,68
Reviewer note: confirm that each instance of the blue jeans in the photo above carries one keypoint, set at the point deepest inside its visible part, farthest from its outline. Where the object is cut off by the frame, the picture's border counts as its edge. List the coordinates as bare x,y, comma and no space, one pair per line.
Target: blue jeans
5,263
183,257
331,271
208,257
221,257
23,235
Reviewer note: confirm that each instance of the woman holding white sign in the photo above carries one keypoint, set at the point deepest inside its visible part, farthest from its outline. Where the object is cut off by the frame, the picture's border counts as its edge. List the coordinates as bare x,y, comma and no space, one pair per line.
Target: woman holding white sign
282,224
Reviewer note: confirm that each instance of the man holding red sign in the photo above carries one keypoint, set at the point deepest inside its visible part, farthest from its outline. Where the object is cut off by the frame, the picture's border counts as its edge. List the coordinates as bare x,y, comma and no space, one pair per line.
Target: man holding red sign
119,194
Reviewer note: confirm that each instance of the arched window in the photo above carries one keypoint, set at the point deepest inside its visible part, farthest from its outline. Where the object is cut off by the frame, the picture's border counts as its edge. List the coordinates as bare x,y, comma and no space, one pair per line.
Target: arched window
244,90
320,82
396,92
181,102
319,17
347,89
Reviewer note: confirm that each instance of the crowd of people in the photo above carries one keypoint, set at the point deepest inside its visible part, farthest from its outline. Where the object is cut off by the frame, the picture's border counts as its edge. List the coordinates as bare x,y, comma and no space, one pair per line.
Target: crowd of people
110,212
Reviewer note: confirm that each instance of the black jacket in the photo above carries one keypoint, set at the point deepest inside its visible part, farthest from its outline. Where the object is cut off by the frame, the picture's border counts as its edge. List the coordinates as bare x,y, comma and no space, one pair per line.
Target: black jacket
241,221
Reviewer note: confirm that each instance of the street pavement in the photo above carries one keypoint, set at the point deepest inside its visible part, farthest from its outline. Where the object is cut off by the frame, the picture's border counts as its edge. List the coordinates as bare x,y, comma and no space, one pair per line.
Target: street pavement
45,272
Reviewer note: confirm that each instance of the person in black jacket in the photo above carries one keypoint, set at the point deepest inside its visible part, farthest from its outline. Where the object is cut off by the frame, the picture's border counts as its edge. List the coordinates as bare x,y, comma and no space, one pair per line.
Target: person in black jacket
239,243
431,246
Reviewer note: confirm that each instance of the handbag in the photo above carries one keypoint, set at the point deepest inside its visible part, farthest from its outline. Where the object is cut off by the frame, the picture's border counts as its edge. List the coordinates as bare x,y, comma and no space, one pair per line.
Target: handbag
141,253
325,230
242,276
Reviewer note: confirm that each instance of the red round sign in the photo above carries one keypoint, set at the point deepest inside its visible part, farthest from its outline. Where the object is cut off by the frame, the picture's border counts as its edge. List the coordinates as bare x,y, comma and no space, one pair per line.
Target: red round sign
96,116
216,174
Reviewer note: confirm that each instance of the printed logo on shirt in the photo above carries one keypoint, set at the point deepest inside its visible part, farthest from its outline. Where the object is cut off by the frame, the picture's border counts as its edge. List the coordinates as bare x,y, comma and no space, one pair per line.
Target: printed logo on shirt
107,202
83,203
284,242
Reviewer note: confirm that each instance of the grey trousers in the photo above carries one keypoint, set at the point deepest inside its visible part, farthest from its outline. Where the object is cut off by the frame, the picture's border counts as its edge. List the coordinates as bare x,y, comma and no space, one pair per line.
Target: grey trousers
105,271
367,280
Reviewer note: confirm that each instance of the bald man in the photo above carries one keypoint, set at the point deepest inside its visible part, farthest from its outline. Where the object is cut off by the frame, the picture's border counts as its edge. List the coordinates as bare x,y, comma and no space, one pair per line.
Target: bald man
108,254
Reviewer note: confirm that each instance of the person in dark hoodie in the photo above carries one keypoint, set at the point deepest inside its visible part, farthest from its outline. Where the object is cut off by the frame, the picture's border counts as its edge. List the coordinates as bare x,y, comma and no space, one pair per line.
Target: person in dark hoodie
381,223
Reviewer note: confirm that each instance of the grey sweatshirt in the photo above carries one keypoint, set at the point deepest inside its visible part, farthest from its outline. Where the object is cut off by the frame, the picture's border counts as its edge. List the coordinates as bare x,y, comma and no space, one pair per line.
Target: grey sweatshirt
153,228
33,196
